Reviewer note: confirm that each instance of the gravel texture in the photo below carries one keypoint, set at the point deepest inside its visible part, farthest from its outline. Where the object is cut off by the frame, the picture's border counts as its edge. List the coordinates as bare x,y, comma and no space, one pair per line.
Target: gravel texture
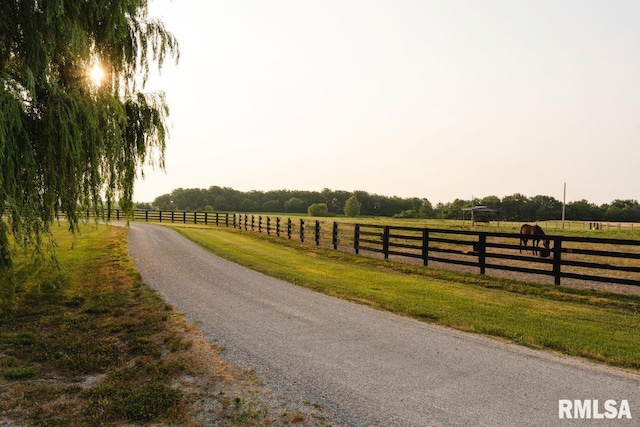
364,367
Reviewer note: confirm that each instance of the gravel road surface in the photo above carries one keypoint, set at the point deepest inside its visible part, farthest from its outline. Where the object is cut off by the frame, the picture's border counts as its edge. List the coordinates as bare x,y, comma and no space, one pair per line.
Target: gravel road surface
362,366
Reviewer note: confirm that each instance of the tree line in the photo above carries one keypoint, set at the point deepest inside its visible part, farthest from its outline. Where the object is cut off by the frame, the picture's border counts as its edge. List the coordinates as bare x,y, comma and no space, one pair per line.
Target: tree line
516,207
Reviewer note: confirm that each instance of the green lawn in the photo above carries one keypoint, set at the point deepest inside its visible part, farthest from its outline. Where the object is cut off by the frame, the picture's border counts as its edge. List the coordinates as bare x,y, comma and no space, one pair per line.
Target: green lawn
598,326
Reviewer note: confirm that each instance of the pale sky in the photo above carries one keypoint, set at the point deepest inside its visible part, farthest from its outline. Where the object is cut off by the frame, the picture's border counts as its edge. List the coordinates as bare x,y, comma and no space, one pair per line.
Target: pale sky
416,98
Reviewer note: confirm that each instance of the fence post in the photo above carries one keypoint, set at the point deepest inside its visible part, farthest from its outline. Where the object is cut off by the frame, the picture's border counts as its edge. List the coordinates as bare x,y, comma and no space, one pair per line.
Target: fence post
268,225
234,220
425,247
278,226
245,222
253,222
317,233
172,216
226,219
334,235
289,228
146,216
557,259
195,217
385,242
356,238
302,230
206,218
259,223
482,252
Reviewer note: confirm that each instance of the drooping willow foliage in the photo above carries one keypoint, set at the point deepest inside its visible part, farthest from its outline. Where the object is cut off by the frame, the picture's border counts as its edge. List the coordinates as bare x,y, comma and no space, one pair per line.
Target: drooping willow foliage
65,143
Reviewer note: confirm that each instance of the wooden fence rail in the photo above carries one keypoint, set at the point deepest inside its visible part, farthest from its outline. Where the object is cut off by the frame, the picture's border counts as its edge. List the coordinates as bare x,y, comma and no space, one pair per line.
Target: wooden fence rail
582,258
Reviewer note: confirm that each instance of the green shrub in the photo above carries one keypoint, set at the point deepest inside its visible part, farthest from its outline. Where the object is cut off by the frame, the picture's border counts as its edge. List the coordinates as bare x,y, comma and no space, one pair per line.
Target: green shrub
410,213
352,207
318,209
294,204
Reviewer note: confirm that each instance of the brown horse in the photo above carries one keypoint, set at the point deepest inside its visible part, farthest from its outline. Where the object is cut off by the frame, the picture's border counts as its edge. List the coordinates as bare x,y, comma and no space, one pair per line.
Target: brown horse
535,233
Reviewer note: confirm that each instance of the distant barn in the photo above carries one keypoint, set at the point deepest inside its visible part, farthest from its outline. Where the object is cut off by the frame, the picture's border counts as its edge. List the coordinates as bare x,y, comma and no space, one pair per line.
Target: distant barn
480,215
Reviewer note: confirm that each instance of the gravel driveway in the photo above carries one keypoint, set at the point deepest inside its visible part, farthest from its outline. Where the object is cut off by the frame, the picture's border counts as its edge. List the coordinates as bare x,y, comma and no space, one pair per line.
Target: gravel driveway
365,367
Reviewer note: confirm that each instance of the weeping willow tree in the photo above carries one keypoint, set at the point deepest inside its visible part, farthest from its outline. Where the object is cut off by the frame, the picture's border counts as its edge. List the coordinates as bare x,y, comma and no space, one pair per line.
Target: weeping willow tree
67,142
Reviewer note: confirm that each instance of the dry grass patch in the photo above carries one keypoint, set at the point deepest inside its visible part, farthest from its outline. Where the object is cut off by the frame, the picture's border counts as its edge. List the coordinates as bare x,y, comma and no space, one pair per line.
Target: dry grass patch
93,345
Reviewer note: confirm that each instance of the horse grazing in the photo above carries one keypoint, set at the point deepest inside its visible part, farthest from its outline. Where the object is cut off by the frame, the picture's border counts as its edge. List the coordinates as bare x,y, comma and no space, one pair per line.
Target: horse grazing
536,234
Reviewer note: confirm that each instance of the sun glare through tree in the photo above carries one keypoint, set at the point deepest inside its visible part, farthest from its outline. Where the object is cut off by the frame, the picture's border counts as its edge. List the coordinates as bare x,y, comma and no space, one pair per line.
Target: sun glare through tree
96,74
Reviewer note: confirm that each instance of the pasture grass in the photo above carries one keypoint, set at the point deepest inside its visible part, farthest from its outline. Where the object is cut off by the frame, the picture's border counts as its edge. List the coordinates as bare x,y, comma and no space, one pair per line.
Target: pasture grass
90,344
595,325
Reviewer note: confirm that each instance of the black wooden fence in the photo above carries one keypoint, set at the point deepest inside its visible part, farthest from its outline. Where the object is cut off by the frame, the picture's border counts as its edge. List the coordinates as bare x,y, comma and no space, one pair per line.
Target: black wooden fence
582,258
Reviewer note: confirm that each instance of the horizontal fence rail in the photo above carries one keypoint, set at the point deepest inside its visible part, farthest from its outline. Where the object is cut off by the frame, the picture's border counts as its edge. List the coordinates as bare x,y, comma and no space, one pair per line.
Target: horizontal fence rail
581,258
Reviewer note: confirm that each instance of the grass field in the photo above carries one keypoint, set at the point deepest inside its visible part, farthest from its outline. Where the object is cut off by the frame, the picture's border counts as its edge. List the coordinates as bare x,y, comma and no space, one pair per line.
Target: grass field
92,345
598,326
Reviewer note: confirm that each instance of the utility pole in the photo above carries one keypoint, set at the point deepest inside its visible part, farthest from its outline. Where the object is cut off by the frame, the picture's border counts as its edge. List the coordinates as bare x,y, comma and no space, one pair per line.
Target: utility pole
564,200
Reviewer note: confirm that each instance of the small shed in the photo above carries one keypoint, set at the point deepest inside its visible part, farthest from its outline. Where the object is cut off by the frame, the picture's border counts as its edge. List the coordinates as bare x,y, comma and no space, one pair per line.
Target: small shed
480,214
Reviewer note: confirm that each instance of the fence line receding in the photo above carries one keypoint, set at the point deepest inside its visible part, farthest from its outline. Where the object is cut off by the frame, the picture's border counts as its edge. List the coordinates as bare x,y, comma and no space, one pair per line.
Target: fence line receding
581,258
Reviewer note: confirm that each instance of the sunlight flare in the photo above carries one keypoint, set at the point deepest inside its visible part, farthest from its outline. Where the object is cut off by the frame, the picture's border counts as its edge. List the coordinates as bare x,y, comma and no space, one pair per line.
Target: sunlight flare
96,74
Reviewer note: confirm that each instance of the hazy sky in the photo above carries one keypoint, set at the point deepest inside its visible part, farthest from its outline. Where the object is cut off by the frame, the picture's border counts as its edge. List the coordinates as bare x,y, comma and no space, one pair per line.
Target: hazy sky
416,98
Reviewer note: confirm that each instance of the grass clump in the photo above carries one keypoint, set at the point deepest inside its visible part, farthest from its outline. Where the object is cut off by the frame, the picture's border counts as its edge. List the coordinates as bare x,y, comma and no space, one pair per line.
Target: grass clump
149,396
20,373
